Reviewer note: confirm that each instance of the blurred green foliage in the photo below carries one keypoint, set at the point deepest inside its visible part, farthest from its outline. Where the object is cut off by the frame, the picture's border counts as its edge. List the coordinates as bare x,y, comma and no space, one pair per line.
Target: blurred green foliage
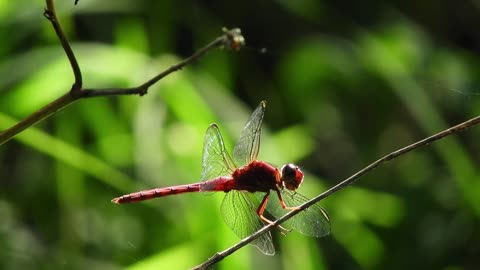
345,85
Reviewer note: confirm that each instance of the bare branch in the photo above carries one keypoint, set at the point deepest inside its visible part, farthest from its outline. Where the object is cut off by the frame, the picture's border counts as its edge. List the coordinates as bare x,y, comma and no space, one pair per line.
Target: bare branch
51,15
455,129
232,39
36,117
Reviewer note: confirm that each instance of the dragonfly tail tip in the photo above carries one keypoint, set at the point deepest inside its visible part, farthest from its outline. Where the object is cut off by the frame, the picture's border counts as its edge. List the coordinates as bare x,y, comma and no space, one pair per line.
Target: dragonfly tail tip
116,201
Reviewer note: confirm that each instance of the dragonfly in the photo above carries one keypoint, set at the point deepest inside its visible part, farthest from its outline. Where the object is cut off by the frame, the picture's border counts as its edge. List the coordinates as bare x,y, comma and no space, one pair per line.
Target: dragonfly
248,183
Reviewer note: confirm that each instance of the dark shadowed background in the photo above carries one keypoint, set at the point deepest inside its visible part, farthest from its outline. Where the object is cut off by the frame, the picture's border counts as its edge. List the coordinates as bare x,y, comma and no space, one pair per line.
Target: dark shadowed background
346,83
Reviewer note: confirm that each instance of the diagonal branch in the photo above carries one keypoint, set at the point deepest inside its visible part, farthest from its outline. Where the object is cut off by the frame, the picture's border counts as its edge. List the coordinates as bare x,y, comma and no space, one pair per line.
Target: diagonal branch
455,129
231,39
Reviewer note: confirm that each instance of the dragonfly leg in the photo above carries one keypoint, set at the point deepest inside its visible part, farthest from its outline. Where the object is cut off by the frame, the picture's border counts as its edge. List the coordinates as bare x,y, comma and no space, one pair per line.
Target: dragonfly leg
282,202
261,210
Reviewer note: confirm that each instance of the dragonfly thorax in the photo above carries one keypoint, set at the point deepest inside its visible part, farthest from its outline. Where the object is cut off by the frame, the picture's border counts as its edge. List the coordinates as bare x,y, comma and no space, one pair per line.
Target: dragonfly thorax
291,176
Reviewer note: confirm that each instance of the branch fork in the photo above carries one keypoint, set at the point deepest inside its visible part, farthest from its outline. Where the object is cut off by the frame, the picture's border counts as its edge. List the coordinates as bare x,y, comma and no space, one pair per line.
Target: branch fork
232,39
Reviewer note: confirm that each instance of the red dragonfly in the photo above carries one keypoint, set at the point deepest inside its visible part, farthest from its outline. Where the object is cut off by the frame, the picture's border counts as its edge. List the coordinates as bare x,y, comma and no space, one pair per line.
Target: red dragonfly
248,183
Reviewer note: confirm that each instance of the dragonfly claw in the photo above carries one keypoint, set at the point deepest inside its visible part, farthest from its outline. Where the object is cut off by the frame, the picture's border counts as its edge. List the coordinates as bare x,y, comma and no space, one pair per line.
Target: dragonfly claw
283,230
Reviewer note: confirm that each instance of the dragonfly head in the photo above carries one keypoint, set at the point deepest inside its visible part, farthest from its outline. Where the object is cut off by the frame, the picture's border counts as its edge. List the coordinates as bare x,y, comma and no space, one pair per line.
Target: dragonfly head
292,176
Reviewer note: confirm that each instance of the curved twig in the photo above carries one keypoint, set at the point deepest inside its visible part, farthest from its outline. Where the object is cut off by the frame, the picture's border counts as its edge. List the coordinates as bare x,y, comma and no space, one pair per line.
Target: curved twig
51,15
455,129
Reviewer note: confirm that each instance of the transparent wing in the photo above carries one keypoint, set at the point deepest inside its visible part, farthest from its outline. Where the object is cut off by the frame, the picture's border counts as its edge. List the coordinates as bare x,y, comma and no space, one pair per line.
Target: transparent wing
314,221
215,161
246,149
239,212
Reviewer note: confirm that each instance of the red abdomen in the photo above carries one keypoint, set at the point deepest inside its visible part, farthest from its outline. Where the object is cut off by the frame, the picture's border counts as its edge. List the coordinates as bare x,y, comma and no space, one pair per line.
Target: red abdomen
156,192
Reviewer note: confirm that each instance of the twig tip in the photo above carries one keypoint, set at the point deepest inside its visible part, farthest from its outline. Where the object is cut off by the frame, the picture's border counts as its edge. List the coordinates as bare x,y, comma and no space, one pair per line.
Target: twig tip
233,38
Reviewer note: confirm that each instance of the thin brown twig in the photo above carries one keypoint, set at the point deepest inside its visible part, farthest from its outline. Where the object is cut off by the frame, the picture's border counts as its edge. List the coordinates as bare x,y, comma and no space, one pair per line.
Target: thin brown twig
51,15
343,184
232,39
142,89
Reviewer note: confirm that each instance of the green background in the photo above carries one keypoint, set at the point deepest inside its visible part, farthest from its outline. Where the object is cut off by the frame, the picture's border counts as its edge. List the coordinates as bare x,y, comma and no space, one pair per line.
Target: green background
346,83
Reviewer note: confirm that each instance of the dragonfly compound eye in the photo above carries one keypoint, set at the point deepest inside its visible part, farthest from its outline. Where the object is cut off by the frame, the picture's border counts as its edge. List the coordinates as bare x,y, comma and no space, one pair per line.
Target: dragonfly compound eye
292,176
